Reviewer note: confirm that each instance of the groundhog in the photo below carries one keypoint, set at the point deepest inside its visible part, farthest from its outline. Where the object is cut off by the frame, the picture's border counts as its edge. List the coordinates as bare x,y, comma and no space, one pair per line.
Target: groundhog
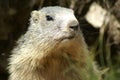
53,48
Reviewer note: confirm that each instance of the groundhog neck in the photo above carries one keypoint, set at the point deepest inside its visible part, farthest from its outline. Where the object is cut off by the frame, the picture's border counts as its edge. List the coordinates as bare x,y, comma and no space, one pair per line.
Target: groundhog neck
57,67
60,63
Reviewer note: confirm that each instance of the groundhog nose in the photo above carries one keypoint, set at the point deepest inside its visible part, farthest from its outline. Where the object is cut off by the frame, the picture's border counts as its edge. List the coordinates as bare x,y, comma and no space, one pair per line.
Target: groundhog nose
74,28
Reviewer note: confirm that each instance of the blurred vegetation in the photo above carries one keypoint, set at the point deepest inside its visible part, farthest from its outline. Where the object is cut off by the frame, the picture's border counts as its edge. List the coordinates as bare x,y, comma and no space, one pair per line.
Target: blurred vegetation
104,42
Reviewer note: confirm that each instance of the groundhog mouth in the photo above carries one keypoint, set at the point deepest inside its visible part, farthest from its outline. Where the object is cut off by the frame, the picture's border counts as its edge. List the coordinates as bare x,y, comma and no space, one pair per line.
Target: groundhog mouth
68,37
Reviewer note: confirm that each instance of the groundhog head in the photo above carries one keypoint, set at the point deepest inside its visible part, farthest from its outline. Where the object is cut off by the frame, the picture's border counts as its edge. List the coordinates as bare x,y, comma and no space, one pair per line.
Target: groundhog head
52,27
57,22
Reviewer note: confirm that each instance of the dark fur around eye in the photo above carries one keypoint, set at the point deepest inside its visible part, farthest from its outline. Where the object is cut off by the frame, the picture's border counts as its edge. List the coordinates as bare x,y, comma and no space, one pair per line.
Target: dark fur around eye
49,18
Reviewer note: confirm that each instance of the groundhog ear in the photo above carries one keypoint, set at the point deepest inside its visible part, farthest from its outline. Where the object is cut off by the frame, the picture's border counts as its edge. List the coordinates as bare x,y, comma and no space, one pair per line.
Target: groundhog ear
35,16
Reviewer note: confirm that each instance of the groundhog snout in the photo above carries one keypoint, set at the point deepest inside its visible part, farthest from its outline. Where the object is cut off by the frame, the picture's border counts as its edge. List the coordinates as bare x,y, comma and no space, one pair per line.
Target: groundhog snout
73,25
74,28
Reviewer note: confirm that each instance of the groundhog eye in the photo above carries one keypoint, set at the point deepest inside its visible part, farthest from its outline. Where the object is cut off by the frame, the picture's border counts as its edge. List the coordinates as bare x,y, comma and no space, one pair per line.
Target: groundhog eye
49,18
